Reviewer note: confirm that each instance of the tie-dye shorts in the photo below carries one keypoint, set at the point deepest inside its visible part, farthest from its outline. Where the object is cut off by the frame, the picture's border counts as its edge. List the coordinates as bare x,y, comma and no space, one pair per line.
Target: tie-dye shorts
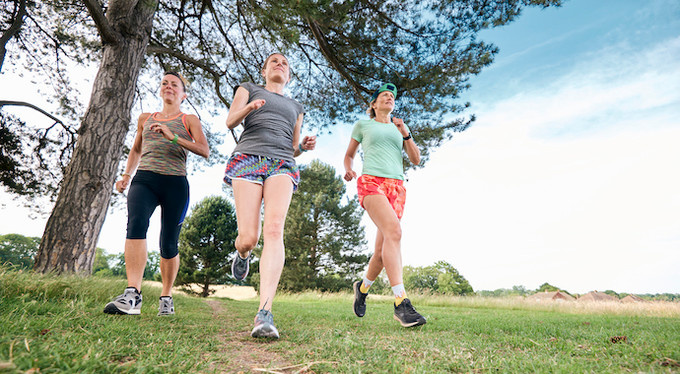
256,169
392,189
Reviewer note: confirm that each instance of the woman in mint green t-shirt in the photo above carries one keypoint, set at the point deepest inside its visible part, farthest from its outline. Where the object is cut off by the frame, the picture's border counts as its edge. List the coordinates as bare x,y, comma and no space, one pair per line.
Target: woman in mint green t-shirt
382,194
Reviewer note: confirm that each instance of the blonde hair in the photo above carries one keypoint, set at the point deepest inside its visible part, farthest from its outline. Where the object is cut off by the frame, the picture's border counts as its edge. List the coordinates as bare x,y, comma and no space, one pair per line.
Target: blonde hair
370,111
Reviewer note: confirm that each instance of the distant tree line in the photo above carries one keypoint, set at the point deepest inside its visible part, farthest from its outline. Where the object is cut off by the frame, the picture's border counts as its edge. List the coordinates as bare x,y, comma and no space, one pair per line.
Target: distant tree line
440,278
523,291
19,251
113,265
212,264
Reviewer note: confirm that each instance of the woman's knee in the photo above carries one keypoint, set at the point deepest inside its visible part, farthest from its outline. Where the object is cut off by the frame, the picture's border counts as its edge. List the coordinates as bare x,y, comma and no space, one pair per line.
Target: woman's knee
392,233
273,230
247,241
137,229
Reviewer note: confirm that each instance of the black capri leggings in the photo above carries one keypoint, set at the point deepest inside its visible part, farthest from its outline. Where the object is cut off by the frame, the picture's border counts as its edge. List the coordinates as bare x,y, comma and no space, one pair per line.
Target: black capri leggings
147,191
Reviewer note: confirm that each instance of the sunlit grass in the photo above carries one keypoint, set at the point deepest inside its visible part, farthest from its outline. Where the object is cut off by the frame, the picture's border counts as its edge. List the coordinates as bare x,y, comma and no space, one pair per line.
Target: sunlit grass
644,308
55,324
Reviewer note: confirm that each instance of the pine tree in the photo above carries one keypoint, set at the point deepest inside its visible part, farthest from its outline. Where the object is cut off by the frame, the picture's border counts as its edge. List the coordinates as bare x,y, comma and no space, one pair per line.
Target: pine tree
205,243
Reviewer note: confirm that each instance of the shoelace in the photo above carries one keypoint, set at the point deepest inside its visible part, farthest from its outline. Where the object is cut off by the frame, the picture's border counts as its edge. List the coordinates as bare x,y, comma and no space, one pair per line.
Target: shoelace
408,307
242,262
266,316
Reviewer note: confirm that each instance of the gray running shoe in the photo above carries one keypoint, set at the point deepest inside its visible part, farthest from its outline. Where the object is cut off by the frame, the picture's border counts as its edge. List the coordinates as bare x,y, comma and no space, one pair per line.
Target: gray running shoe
264,325
359,300
165,306
130,302
406,314
240,267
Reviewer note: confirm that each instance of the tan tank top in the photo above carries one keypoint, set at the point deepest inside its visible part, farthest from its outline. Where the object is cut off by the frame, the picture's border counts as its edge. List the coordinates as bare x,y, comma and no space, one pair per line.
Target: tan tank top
159,154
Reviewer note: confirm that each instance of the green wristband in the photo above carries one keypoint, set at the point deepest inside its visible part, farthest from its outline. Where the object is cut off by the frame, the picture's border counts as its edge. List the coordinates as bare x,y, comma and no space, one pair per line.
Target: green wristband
174,140
302,150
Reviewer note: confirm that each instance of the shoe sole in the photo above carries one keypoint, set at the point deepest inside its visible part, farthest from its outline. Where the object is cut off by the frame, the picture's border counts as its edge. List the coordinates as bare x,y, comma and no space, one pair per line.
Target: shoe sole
233,272
112,309
264,331
355,286
416,323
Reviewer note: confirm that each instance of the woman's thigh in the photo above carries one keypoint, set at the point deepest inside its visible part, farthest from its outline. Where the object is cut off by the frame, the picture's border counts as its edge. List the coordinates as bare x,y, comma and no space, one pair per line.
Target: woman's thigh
383,215
278,192
248,203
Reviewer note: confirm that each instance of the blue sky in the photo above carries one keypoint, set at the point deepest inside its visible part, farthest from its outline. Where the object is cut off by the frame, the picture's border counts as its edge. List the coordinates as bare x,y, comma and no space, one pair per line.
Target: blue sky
570,173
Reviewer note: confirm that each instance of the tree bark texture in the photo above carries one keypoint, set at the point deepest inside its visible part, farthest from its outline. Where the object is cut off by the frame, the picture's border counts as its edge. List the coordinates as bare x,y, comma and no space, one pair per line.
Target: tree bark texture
72,231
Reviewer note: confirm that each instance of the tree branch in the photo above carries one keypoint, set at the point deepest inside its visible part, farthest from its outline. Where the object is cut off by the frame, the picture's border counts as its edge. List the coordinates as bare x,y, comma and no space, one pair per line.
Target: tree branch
12,30
389,19
234,51
23,103
107,33
325,50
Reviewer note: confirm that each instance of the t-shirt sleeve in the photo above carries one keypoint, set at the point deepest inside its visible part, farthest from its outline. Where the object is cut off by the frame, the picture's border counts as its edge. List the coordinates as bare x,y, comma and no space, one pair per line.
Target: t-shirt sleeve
247,85
356,132
300,108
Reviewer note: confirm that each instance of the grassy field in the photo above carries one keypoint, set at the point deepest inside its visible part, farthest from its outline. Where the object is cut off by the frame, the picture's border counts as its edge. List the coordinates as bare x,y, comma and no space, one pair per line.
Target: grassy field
52,324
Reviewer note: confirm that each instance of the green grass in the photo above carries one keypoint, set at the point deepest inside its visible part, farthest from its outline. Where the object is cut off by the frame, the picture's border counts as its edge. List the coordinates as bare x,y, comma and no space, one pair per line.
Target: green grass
56,324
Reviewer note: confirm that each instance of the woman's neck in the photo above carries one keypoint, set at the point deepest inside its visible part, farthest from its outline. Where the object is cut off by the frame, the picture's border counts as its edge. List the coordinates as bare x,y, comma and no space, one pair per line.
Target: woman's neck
275,87
169,111
382,117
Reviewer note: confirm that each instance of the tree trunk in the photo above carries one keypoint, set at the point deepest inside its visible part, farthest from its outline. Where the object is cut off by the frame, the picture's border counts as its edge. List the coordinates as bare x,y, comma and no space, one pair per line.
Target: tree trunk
206,288
14,28
71,234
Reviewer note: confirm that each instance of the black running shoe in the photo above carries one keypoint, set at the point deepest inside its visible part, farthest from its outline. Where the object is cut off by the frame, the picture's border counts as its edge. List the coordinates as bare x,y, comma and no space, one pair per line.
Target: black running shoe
130,302
264,325
240,267
406,314
359,300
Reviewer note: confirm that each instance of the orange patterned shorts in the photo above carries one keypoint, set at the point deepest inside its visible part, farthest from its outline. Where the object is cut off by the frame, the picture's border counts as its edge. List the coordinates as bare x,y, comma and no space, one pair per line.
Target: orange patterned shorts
392,189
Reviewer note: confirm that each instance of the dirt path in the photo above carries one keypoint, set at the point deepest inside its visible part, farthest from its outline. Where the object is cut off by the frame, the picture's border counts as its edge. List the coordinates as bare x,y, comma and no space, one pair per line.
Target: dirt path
243,354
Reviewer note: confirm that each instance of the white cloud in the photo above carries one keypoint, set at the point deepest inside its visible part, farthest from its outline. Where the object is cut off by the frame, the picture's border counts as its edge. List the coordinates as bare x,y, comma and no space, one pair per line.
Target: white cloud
575,184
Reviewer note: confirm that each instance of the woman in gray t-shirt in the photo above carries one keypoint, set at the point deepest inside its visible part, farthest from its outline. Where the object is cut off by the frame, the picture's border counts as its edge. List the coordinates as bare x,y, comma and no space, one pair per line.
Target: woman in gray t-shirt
262,168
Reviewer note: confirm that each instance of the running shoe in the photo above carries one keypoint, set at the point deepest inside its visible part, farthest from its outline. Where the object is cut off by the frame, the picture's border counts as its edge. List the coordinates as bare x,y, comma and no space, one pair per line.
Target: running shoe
359,300
166,306
406,314
130,302
240,267
264,325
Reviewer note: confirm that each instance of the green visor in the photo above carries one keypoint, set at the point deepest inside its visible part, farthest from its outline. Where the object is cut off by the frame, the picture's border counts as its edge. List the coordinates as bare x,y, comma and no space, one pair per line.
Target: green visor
385,87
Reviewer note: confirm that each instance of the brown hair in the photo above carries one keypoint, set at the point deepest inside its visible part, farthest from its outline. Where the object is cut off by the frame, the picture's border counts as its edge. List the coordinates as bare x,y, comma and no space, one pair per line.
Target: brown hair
264,65
181,79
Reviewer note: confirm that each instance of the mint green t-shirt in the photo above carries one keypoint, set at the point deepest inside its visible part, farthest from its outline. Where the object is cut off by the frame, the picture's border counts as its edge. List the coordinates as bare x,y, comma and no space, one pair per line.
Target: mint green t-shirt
382,144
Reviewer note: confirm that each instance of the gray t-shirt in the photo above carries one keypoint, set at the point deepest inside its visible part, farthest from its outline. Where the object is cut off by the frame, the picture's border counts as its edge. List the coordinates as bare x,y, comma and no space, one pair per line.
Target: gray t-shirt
268,131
